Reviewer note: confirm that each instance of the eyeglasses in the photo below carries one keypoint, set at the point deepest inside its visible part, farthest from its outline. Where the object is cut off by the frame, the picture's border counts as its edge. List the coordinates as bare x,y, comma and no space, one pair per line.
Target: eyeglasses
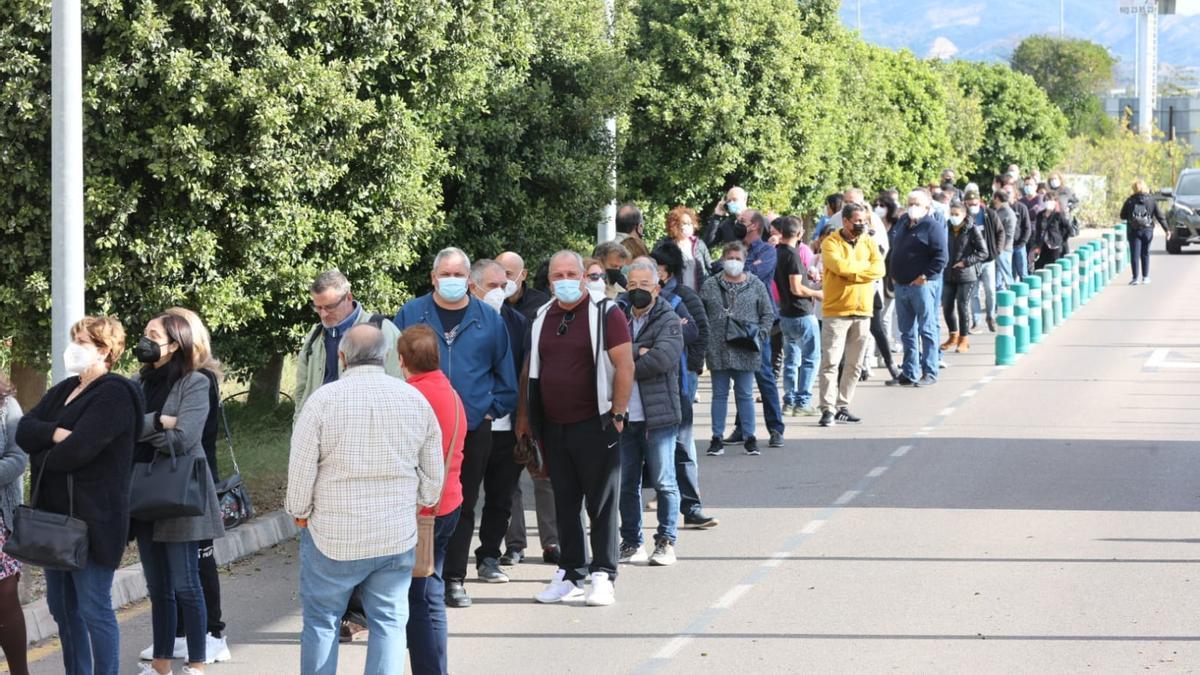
595,276
330,307
566,321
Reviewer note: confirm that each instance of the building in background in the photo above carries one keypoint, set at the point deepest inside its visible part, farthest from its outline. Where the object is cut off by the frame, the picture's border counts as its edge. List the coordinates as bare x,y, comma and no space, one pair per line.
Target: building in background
1176,116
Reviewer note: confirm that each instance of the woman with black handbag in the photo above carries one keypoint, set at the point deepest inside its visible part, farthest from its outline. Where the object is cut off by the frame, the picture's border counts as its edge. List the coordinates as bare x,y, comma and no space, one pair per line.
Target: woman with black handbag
177,408
80,439
740,316
12,487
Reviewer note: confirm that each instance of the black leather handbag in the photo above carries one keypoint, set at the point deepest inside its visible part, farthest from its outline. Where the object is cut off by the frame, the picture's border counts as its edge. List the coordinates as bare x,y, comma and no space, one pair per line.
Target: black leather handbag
739,334
232,496
168,488
55,541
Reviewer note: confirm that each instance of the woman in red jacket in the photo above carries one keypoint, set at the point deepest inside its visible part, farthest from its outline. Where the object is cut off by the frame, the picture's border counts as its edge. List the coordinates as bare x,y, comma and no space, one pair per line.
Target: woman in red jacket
427,632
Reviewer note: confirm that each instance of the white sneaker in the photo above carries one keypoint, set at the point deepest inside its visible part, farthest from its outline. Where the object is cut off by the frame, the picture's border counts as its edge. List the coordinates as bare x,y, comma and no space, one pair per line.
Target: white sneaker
188,670
601,593
179,652
1145,280
559,590
147,669
216,649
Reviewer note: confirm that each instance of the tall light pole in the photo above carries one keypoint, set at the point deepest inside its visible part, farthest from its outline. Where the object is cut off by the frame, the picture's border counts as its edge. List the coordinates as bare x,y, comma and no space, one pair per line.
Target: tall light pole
66,178
1148,68
606,229
858,16
1062,18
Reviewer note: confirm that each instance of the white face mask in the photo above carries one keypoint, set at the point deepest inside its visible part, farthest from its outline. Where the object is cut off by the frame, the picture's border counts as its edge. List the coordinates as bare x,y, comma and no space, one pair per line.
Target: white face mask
1055,183
78,358
955,220
687,230
494,298
973,210
734,267
596,287
880,212
510,288
916,213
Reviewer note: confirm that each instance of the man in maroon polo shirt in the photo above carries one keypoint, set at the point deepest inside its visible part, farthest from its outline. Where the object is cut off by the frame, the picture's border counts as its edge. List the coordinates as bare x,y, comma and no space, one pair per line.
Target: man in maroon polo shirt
580,376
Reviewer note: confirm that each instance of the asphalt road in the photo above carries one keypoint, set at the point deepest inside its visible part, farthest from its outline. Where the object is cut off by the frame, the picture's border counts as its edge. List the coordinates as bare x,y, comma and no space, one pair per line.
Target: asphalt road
1037,518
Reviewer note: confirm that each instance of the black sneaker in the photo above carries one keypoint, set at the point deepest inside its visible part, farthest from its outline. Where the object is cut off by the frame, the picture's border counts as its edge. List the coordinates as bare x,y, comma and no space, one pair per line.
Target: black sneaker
776,440
732,439
844,415
489,571
752,447
700,521
716,448
551,555
826,419
512,556
901,381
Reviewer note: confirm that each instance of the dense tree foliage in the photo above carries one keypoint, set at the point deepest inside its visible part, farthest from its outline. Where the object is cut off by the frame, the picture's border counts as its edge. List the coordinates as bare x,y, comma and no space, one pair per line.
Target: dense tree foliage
1072,72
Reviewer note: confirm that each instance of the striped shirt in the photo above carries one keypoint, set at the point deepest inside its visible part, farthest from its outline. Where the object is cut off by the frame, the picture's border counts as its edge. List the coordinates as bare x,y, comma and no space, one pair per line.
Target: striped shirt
365,451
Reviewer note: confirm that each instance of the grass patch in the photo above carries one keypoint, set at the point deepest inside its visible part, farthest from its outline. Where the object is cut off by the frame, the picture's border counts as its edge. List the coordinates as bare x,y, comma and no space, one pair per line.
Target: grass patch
262,440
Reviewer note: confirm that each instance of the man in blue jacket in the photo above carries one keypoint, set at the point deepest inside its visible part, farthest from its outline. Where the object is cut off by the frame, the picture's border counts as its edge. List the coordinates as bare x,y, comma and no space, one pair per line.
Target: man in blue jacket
918,256
477,358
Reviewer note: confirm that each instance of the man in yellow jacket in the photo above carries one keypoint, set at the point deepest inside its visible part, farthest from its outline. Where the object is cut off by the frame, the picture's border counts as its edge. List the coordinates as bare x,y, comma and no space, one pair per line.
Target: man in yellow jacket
852,262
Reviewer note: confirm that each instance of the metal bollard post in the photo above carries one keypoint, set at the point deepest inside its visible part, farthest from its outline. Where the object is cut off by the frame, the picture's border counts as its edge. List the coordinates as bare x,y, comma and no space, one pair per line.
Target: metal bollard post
1006,340
1036,317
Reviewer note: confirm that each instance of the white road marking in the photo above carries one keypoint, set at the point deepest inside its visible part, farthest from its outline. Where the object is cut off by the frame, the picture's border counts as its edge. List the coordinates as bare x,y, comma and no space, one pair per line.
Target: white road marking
946,412
969,393
812,526
902,451
847,497
1158,359
776,559
731,596
986,378
876,472
673,647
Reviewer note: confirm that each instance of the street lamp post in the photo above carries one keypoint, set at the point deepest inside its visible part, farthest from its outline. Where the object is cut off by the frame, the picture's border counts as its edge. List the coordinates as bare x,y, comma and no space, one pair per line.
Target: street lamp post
66,178
606,229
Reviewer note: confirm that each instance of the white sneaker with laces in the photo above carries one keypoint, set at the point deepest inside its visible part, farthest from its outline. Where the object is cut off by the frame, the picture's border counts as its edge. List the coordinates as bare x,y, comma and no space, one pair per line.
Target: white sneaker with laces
601,593
1145,280
216,649
188,670
179,651
559,590
147,669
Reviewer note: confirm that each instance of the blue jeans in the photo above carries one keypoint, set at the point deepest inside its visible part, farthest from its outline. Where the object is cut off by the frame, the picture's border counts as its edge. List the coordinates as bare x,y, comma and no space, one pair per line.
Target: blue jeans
987,281
1004,269
655,450
917,316
801,356
172,571
81,604
687,472
325,588
769,391
743,391
426,629
1020,263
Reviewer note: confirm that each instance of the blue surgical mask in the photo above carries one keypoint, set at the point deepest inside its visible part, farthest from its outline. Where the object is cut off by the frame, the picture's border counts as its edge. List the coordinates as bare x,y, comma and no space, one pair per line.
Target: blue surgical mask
734,208
452,289
568,291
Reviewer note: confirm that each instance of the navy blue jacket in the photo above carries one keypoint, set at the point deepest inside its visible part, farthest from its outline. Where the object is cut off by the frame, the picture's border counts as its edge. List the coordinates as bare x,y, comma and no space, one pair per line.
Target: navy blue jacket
479,361
518,338
918,249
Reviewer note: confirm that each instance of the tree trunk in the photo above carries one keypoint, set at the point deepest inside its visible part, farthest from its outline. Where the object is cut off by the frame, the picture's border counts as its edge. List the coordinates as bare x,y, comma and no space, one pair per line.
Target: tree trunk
264,384
30,383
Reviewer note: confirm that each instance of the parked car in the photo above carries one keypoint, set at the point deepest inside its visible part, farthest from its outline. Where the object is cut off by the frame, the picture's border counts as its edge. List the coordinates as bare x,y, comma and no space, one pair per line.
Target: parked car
1183,219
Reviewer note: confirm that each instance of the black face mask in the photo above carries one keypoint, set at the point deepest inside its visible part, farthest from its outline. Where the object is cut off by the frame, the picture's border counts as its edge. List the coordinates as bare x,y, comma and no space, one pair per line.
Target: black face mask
640,298
859,228
615,277
147,351
739,230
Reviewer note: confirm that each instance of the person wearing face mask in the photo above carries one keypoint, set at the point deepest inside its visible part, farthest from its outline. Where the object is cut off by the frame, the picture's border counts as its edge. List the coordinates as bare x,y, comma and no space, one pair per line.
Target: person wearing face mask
1052,234
681,232
918,257
855,196
615,259
337,311
966,251
993,236
595,280
735,294
476,354
80,438
648,439
13,461
1009,222
721,225
1068,202
520,296
177,409
579,378
631,230
501,473
852,264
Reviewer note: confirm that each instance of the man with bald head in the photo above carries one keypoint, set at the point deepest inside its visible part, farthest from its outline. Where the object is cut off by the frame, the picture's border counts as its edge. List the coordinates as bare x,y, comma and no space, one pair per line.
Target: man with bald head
520,297
365,452
721,225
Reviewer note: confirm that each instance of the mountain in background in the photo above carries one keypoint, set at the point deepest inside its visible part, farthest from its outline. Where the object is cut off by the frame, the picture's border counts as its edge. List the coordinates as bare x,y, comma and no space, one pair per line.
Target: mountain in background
981,30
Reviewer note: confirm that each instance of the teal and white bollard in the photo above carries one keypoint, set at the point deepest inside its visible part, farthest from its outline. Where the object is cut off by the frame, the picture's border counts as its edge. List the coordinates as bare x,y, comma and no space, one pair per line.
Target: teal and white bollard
1102,247
1021,316
1056,293
1122,249
1036,317
1067,281
1083,273
1089,276
1047,278
1006,339
1110,241
1076,288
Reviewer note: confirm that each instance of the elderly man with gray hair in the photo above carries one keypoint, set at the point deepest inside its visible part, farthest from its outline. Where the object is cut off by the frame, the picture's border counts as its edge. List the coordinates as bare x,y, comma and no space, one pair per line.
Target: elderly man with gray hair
338,311
365,453
918,257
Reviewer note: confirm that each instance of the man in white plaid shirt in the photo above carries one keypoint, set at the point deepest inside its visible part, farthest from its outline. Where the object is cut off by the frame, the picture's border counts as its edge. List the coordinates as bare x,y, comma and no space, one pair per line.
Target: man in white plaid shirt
366,450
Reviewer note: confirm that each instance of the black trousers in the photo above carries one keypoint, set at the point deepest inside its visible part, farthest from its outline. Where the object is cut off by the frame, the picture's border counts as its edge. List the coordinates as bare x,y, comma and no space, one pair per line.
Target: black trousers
882,344
584,462
500,479
1139,250
1048,256
956,304
210,585
477,447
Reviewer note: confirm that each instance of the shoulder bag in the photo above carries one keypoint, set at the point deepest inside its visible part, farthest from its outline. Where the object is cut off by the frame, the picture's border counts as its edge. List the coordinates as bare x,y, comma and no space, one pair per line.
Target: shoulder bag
233,499
739,334
424,565
163,488
54,541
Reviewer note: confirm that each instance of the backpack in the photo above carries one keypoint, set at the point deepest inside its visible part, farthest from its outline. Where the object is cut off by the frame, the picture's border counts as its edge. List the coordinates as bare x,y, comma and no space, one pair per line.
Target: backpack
1140,216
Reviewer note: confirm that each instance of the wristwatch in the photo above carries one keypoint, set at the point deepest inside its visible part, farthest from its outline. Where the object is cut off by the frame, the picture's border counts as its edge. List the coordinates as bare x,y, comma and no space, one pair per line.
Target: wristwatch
620,417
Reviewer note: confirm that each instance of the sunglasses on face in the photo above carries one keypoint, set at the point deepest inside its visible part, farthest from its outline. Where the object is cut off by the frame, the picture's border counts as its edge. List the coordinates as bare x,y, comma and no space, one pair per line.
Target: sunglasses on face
566,321
595,276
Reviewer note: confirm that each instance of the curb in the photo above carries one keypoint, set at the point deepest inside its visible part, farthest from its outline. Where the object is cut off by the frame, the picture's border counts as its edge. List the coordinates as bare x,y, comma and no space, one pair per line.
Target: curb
129,585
